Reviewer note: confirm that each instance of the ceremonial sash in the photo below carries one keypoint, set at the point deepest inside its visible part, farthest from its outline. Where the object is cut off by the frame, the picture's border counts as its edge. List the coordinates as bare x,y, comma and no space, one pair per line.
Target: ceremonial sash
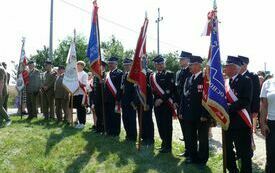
113,90
160,92
231,97
85,100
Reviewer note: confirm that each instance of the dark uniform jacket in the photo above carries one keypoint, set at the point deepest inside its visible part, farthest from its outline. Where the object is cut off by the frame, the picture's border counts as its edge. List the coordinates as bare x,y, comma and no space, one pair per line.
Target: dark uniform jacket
3,77
60,92
116,77
191,107
35,81
255,102
242,88
49,80
129,95
166,81
181,76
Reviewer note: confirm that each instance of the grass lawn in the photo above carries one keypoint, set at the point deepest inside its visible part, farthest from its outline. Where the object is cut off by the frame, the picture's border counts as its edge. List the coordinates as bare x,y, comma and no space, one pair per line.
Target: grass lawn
34,148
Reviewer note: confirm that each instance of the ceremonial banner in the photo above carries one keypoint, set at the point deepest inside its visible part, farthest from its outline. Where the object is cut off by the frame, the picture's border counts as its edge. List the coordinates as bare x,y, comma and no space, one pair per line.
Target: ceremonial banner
215,99
70,80
137,73
23,75
93,51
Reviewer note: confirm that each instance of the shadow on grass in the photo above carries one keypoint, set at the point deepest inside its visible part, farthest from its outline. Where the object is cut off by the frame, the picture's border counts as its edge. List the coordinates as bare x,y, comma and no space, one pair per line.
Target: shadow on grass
109,151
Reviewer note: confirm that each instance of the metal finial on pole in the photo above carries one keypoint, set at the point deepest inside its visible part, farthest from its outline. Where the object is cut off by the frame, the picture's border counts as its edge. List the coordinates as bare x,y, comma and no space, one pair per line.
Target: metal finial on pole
215,5
51,33
157,21
74,35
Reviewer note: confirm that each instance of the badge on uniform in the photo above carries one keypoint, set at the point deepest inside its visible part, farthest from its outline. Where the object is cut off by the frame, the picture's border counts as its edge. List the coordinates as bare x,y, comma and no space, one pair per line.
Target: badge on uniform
200,87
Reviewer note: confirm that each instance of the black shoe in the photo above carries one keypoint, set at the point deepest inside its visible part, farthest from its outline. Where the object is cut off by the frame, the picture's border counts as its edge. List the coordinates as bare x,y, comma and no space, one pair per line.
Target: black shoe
165,150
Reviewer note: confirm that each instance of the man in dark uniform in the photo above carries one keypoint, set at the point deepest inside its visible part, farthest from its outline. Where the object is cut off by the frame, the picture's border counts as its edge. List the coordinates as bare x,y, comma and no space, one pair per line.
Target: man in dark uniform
255,102
238,133
98,100
195,117
47,90
61,97
181,76
112,91
33,90
128,102
165,81
8,81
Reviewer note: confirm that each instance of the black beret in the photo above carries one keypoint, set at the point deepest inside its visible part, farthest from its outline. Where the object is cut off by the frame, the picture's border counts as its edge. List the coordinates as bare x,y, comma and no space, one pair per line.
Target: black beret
158,59
245,60
185,55
195,60
233,60
112,59
127,61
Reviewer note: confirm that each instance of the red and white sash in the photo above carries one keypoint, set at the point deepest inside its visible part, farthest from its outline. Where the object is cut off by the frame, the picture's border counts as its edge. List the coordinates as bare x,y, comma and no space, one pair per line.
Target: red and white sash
85,100
231,97
160,92
113,90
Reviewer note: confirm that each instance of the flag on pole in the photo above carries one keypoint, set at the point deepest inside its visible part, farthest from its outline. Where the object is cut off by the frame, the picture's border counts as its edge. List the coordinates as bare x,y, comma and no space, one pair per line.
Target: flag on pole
70,80
214,96
23,75
137,73
93,51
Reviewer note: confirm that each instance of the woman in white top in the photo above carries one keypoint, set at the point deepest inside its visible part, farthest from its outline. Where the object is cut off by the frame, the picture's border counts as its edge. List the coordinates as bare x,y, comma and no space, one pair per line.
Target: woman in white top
80,97
268,122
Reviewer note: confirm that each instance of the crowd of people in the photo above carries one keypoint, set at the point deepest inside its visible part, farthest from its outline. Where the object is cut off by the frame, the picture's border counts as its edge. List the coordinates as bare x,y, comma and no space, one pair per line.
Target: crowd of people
168,95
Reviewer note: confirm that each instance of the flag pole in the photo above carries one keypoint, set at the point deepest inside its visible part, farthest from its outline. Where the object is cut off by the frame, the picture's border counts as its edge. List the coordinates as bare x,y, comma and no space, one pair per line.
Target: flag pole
19,71
101,80
140,127
224,153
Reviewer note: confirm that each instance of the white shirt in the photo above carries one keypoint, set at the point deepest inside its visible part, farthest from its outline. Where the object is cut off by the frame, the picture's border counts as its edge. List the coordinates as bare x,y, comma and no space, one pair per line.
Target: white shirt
268,91
196,75
83,79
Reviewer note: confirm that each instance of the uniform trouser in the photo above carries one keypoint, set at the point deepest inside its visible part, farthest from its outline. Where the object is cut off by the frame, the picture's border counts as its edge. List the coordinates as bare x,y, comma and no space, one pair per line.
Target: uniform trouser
147,133
80,109
183,135
129,121
113,120
6,102
3,112
197,131
164,122
241,138
31,104
62,104
270,148
48,103
99,116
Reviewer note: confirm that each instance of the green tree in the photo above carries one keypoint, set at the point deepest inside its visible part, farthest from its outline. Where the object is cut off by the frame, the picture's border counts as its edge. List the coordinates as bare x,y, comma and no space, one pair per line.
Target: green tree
62,50
115,48
40,57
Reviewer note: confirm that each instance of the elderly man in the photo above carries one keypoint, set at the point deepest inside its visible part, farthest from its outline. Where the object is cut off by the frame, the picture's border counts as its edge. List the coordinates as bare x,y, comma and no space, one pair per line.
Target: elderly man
8,81
196,118
239,133
47,90
33,90
113,97
163,86
3,94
